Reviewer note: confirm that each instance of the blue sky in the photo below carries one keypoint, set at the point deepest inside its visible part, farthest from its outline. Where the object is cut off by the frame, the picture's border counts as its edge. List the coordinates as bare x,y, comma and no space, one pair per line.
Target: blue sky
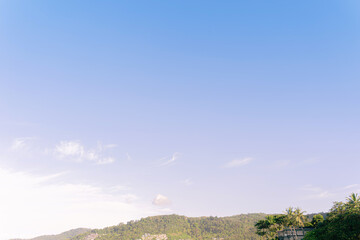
116,110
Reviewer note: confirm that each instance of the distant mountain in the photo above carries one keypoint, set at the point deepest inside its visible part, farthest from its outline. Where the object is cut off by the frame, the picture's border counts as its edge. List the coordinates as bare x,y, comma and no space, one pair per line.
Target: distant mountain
62,236
239,227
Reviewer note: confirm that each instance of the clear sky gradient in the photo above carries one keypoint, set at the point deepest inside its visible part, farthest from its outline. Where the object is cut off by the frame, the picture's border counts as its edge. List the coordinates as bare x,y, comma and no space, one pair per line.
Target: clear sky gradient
116,110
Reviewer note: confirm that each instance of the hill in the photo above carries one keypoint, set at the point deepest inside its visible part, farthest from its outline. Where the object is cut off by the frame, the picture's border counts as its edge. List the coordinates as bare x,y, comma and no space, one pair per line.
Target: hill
62,236
239,227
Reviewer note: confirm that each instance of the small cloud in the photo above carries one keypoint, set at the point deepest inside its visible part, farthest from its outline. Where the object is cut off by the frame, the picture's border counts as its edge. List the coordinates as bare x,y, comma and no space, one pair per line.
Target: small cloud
188,182
52,176
311,188
70,149
110,146
119,188
102,161
161,200
170,160
238,162
20,143
316,192
351,186
129,198
75,151
320,195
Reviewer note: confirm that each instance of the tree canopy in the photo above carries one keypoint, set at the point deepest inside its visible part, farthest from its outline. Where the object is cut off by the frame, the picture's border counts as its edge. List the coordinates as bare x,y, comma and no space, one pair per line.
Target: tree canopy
239,227
342,223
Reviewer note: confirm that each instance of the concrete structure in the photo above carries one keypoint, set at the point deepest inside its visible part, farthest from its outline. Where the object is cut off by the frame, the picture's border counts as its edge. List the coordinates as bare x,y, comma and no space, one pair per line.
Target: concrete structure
293,234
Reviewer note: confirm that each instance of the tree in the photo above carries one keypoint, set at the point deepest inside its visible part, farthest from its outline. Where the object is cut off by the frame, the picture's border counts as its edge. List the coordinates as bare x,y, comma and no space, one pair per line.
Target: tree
318,218
292,219
269,226
353,202
295,218
299,217
342,223
262,228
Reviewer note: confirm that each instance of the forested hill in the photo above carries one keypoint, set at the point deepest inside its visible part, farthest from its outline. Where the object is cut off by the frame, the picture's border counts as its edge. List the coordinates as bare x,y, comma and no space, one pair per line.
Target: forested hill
239,227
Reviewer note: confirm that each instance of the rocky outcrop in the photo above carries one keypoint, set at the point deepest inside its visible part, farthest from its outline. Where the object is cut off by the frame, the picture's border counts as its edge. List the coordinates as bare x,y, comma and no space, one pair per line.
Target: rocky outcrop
148,236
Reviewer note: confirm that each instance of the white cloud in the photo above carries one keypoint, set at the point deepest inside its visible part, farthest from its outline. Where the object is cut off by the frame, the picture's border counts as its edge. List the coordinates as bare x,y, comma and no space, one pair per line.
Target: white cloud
129,198
310,188
20,143
110,146
316,192
320,195
32,205
75,151
170,160
70,149
238,162
351,186
119,188
107,160
161,200
188,182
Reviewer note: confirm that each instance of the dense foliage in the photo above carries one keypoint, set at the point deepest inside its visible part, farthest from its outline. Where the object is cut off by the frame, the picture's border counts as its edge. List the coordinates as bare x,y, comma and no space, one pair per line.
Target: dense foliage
240,227
342,223
293,218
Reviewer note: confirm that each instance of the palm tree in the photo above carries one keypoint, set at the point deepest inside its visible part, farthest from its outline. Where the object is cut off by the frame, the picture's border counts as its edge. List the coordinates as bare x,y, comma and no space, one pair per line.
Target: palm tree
268,227
353,201
289,212
272,226
299,217
294,218
353,198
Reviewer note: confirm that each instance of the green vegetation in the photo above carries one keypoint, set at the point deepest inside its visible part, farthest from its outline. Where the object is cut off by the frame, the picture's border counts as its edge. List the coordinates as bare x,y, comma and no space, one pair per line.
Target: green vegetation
268,227
240,227
342,223
292,219
317,219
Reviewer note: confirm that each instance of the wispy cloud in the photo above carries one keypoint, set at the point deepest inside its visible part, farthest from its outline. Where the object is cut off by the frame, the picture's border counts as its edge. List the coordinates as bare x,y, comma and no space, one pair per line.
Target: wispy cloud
308,162
351,186
311,188
129,198
170,160
75,151
110,146
238,162
281,163
188,182
28,200
71,149
314,192
161,200
119,188
20,143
